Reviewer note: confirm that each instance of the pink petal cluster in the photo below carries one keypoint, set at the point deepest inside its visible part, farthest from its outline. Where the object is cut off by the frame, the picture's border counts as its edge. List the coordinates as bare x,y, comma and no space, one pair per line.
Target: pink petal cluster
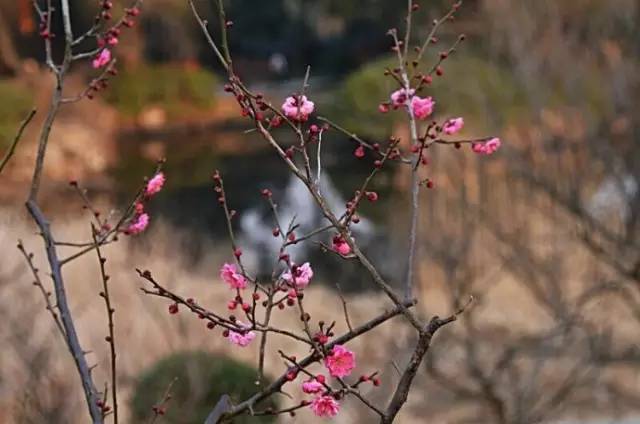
138,224
232,277
241,338
341,246
155,184
325,406
298,108
401,97
453,125
299,275
422,108
340,362
102,59
488,147
312,386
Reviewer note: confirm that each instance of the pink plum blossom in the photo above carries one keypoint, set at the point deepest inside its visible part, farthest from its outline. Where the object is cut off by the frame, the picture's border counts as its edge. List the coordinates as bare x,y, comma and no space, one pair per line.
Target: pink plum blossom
401,97
422,108
325,406
138,224
155,184
232,277
241,338
452,126
102,59
299,275
312,386
488,147
340,362
298,108
341,246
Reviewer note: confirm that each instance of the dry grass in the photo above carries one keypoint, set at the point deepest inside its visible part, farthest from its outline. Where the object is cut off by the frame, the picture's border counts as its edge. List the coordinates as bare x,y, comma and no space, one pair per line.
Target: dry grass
145,332
37,374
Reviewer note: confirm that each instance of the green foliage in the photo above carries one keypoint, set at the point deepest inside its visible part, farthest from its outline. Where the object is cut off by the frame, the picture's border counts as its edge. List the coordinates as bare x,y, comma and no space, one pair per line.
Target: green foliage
472,87
201,379
359,97
179,91
15,103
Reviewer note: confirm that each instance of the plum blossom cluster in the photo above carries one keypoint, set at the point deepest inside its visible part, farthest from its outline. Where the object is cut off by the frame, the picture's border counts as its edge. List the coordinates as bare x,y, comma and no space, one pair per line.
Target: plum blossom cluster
106,41
299,276
298,108
232,277
339,362
420,108
111,36
140,219
488,147
242,327
243,336
290,284
325,406
254,300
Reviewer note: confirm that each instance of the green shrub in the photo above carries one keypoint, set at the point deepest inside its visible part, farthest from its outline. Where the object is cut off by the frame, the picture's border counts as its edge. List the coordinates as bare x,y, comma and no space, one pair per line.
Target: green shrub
201,379
15,103
472,87
180,91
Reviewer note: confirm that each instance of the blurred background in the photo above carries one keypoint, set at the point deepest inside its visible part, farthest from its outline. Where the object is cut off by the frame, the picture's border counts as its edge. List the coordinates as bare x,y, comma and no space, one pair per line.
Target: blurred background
544,234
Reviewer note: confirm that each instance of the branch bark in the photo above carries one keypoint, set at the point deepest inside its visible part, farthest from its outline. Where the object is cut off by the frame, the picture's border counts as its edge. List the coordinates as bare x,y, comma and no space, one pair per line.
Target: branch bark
73,343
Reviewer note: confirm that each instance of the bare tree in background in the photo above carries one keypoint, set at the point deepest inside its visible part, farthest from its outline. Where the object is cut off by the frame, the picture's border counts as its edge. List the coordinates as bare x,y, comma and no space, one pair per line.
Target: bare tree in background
557,221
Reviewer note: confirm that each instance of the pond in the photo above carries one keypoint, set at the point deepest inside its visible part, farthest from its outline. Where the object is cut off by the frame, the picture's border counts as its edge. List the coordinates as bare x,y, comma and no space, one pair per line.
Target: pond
248,165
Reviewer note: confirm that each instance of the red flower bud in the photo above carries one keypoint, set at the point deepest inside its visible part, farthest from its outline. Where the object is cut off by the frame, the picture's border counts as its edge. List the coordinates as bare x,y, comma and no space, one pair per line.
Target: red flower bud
372,196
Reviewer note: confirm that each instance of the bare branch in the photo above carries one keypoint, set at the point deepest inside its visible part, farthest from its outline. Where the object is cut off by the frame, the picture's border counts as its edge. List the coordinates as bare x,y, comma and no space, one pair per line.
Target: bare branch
91,394
16,140
111,339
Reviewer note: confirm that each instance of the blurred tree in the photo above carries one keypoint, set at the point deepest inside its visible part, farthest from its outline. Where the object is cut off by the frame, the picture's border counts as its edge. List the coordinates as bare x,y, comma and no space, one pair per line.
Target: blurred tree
8,55
200,379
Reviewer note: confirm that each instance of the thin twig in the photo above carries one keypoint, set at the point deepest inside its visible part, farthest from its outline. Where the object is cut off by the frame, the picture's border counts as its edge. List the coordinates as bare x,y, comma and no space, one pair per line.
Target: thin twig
344,308
38,283
16,140
110,311
160,408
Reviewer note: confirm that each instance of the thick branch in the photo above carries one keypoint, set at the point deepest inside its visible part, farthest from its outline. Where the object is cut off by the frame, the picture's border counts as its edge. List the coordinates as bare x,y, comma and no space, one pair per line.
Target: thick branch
91,394
276,386
422,347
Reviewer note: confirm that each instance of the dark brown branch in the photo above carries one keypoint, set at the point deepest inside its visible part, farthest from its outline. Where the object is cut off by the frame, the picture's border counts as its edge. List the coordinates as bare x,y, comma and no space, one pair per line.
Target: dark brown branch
401,393
276,386
111,339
